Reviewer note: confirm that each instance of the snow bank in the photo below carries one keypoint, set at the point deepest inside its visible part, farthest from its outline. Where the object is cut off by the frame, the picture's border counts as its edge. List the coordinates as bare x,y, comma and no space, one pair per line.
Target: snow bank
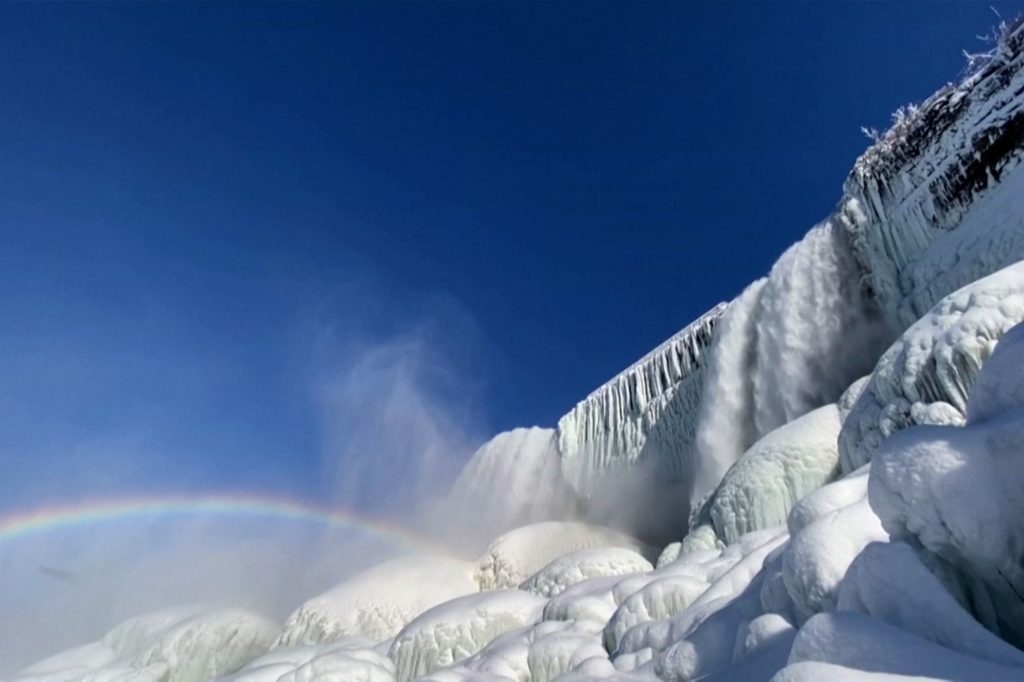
457,629
778,470
518,554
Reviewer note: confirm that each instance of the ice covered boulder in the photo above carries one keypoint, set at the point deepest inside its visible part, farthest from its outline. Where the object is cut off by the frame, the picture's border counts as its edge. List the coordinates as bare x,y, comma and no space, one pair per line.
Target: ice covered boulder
589,604
1000,386
827,499
584,564
820,554
524,464
927,375
350,660
779,469
187,644
850,396
518,554
731,598
854,641
959,493
378,602
889,581
658,600
536,653
455,630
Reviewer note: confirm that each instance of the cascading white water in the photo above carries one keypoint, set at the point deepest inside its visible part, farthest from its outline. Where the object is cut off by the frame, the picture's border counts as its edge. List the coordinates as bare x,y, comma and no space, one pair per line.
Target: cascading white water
725,419
787,345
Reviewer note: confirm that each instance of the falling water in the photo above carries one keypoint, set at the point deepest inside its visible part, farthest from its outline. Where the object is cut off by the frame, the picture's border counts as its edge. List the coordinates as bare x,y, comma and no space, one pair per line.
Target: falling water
787,345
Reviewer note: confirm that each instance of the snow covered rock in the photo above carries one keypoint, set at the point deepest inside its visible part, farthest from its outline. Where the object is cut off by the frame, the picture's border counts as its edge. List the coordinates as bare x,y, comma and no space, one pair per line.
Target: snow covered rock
455,630
927,375
187,644
777,471
829,498
820,554
584,564
350,660
959,493
378,602
518,554
658,600
851,640
888,581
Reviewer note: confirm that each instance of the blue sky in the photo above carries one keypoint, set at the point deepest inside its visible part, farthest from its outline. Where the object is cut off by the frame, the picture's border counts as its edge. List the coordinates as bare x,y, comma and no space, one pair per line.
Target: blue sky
208,213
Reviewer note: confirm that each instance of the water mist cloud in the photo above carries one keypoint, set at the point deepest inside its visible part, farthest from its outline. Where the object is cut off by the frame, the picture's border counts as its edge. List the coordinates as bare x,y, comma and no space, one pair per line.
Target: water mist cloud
392,398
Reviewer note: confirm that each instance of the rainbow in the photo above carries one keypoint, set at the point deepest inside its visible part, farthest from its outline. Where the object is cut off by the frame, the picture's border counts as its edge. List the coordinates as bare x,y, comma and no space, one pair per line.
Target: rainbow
60,517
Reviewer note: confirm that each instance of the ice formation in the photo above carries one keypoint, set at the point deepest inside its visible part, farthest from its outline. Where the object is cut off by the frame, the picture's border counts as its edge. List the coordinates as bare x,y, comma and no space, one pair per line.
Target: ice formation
517,555
457,629
173,645
569,569
776,472
378,602
643,418
926,376
936,204
789,344
908,566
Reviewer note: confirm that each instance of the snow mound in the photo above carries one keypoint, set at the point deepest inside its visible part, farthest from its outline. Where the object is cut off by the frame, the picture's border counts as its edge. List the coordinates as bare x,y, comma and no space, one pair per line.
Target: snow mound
778,470
1000,386
959,493
584,564
518,554
378,602
186,644
857,642
455,630
820,554
350,660
927,375
658,600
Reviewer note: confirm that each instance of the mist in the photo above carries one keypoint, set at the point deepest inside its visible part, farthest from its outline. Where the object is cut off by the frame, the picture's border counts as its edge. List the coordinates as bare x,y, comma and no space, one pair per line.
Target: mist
395,407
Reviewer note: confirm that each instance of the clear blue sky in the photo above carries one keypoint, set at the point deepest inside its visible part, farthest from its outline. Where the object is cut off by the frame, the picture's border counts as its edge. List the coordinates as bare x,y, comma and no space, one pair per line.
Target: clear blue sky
191,194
